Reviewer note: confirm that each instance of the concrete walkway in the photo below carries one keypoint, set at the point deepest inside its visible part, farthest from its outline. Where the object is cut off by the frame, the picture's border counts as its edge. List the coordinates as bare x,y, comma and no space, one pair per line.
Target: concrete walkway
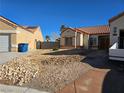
97,81
15,89
6,56
90,82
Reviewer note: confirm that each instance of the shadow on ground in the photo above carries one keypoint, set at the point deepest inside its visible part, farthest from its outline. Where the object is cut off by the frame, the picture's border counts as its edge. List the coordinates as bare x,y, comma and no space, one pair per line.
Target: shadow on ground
69,52
114,79
95,58
113,82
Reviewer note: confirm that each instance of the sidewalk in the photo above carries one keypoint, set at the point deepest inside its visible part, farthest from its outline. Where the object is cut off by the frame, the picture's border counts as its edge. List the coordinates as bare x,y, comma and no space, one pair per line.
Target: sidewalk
90,82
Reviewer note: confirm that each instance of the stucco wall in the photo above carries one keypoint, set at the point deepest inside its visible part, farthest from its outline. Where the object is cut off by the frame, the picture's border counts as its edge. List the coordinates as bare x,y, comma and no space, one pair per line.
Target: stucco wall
38,36
4,26
86,41
67,33
81,39
28,37
11,31
25,37
13,42
119,23
70,33
19,35
78,39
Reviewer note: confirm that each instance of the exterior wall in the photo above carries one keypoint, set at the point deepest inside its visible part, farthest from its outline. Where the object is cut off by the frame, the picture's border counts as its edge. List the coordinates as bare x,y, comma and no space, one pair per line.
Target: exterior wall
119,23
4,26
86,41
67,33
25,37
18,35
81,40
38,36
13,41
5,29
62,41
28,37
78,39
94,36
114,52
70,33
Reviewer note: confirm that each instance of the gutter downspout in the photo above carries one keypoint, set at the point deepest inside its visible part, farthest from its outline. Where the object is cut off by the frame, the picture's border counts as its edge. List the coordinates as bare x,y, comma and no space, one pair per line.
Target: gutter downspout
75,38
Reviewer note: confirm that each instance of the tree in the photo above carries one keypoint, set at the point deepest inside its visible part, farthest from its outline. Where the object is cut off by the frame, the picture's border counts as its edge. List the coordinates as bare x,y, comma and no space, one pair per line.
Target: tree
62,27
47,38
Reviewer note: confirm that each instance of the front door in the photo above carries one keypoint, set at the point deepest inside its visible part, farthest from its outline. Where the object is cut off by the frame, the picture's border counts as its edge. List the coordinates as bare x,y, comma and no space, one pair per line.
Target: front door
103,42
121,39
68,41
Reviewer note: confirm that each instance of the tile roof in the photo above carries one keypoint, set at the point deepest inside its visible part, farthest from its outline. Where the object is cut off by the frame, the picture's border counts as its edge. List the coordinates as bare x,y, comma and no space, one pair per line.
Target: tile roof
104,29
116,17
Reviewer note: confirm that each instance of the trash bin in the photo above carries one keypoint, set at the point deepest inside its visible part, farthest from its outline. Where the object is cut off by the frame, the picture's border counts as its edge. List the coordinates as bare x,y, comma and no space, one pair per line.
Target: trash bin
22,47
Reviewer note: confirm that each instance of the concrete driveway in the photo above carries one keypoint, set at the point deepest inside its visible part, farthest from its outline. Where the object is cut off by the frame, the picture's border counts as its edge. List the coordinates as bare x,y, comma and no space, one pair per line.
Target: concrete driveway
17,89
6,56
104,77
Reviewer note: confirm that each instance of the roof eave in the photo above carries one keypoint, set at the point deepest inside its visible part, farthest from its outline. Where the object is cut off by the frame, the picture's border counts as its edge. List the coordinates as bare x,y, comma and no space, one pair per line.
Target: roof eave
116,17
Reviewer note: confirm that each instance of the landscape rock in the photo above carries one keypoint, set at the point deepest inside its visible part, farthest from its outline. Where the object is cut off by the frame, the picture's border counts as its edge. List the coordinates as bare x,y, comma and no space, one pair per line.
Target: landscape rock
43,72
18,71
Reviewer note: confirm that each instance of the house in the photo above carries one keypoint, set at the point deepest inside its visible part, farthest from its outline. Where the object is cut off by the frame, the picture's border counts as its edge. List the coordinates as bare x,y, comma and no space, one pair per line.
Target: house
116,51
11,34
95,37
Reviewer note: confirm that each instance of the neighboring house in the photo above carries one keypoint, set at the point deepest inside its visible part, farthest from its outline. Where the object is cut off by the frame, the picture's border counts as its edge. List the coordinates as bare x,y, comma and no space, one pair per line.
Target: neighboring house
116,52
96,37
11,34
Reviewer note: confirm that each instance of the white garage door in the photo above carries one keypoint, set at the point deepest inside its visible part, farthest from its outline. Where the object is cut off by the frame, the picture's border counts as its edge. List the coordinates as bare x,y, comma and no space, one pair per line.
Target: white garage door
4,43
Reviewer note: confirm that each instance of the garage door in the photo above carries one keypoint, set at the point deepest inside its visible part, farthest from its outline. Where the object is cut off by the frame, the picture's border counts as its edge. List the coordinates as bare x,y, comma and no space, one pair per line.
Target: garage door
4,43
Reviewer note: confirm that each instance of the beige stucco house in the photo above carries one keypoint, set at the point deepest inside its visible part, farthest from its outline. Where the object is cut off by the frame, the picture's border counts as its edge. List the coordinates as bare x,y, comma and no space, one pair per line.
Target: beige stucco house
11,34
95,37
116,51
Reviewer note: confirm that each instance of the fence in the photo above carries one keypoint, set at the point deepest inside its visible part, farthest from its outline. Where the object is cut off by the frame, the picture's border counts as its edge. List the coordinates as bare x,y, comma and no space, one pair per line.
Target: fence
50,45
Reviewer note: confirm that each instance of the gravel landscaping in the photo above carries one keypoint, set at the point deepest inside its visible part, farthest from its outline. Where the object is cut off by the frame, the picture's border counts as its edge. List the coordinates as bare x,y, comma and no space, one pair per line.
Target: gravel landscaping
43,72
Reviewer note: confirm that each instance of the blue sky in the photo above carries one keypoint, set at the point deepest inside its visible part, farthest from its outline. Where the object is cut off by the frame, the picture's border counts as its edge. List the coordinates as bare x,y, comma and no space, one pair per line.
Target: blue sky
51,14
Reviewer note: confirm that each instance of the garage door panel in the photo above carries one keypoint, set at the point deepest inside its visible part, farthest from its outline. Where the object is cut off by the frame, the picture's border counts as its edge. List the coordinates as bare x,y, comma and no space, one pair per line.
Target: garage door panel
4,43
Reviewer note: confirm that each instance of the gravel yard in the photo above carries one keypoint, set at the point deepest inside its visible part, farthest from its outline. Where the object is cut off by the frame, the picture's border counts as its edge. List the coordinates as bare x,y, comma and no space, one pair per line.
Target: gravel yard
43,72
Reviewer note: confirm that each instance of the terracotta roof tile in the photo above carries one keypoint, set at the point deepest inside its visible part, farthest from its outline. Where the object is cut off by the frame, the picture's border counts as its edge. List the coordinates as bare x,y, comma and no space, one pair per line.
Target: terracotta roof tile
95,29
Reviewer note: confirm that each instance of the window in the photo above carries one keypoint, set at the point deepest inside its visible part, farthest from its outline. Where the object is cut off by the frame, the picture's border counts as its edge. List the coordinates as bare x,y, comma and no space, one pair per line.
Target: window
93,41
115,31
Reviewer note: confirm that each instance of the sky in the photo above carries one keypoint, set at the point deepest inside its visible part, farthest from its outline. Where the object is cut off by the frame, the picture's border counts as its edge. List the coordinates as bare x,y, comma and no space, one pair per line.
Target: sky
51,14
